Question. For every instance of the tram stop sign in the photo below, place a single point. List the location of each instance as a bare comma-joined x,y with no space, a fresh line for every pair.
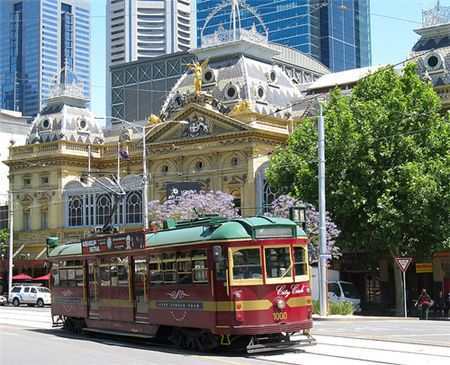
403,262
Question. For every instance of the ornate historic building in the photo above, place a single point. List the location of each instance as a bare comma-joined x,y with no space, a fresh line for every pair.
432,51
216,130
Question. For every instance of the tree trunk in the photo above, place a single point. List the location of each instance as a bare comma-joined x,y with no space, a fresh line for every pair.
398,275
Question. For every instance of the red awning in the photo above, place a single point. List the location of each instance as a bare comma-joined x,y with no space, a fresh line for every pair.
44,277
22,277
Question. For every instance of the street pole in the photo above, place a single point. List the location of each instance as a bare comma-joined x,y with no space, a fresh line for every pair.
404,292
144,177
322,229
11,241
144,159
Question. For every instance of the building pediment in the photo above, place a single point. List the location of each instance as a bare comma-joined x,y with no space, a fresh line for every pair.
197,121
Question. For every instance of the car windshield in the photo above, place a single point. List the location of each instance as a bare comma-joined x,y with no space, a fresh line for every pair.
349,290
44,290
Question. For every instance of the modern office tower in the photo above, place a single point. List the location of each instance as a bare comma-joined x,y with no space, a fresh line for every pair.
139,29
336,32
38,39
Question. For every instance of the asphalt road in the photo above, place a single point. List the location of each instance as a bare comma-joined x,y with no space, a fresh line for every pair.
404,330
26,337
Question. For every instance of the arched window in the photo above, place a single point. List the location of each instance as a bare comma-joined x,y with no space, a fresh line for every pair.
75,210
134,207
268,197
103,208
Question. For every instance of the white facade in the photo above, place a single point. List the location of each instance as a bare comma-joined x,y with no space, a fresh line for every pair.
13,131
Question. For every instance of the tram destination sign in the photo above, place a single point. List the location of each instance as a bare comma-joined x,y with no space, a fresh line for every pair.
118,242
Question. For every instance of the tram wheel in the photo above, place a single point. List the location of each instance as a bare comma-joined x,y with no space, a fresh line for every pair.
68,324
177,337
207,341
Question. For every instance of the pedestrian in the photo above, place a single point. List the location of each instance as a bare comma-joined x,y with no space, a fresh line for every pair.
439,306
424,302
447,304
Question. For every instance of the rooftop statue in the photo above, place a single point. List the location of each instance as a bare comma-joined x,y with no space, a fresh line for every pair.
198,72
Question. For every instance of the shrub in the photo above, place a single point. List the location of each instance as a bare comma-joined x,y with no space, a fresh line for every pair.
343,308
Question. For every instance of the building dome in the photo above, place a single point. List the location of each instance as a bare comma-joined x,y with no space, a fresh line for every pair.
65,117
236,71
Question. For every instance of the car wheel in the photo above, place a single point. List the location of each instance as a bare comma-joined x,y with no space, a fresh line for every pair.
16,302
40,303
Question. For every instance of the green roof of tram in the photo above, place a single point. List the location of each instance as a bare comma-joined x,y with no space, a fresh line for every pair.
204,231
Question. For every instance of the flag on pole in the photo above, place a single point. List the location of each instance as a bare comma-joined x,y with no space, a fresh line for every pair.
123,153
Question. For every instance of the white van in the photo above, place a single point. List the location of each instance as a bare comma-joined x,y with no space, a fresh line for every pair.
339,291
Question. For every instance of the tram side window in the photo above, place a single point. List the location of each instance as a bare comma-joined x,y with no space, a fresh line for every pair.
199,266
114,271
105,272
184,267
122,271
278,262
247,264
155,269
55,274
300,261
169,268
181,267
68,273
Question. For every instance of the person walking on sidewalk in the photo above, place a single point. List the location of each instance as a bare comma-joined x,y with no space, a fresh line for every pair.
447,305
424,301
439,306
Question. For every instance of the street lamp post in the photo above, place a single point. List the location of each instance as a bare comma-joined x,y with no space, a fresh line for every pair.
11,242
143,135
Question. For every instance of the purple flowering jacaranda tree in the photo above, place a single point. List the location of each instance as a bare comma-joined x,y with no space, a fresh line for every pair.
281,207
190,205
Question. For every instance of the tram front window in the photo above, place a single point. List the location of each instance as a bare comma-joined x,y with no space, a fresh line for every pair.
278,263
247,264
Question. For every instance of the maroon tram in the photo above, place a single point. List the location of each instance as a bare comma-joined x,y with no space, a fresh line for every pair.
204,284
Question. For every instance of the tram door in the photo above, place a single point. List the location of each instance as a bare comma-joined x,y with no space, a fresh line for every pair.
140,290
92,289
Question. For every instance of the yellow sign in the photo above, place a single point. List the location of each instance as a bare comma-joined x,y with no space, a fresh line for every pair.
424,267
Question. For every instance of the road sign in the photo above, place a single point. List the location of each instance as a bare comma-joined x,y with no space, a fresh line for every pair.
403,262
325,256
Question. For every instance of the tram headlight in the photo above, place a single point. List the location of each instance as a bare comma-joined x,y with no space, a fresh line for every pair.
281,304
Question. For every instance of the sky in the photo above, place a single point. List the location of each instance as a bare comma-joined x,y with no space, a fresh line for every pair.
392,27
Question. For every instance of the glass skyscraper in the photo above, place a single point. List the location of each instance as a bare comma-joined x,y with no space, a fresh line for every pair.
39,39
336,32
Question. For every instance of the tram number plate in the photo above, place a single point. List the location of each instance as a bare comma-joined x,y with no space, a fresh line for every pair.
278,316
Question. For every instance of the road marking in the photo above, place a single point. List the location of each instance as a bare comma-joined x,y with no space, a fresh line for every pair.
221,360
9,334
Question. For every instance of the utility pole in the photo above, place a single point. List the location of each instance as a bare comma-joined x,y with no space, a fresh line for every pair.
323,254
11,241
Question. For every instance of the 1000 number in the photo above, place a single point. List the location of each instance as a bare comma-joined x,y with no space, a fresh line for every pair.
278,316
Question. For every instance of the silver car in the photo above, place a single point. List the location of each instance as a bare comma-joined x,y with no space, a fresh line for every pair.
3,300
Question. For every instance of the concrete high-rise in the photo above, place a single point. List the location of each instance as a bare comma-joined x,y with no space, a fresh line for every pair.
335,32
38,39
140,29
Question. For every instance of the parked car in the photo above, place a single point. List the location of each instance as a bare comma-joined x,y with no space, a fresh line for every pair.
3,300
30,294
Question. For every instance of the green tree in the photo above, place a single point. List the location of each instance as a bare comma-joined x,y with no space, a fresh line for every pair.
387,167
4,237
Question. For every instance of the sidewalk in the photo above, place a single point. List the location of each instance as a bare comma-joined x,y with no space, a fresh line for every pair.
337,317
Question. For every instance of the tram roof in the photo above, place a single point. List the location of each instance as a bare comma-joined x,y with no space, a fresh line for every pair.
236,229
